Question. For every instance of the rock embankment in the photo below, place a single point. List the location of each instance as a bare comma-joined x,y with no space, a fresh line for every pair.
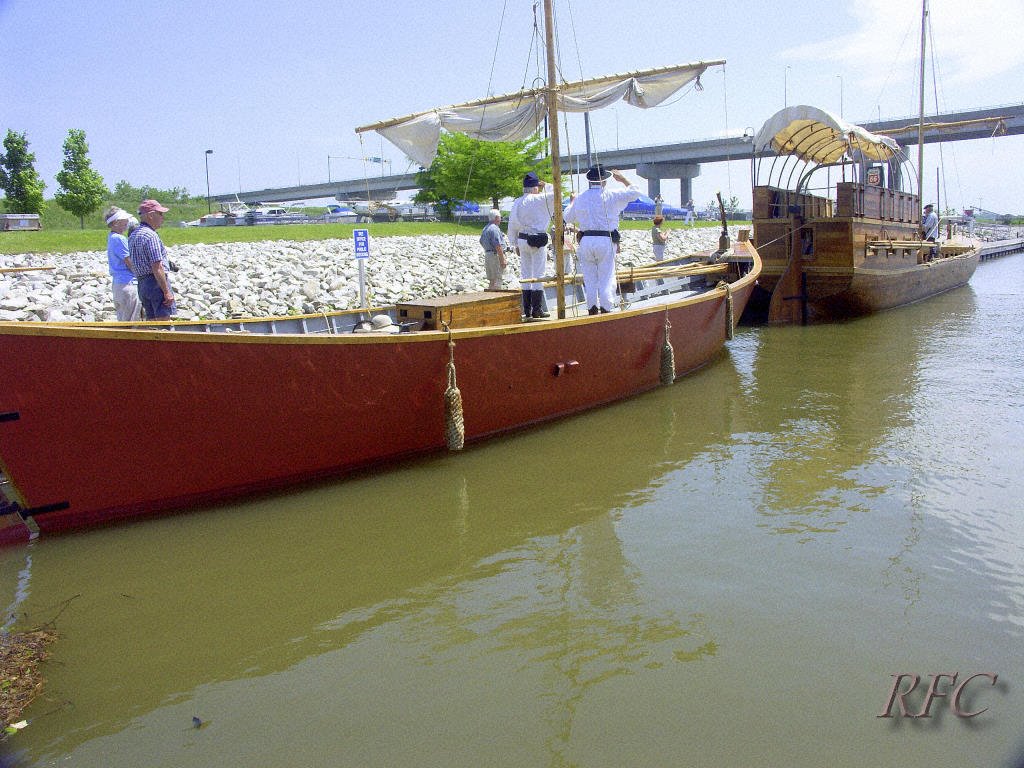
274,278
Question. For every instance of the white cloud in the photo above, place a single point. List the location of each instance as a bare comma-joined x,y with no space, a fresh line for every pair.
974,42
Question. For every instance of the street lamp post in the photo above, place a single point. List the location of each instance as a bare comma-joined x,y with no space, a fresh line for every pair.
840,95
209,205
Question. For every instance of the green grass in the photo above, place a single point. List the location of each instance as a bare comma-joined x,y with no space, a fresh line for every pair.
95,239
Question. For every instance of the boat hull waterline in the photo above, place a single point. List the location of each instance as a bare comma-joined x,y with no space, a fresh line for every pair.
842,294
104,424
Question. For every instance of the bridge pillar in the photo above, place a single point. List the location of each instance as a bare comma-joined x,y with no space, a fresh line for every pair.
655,172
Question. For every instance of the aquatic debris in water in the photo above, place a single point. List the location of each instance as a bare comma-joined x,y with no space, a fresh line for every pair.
20,679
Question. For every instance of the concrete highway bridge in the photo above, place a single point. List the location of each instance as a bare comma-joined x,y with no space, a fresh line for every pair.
671,162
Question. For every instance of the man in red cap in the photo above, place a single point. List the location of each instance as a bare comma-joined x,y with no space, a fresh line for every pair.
150,264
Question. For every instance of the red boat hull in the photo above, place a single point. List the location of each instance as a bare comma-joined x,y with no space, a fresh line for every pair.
98,425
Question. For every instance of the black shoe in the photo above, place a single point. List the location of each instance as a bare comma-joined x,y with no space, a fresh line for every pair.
605,311
592,311
536,305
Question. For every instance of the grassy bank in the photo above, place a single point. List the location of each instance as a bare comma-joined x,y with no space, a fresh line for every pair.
95,239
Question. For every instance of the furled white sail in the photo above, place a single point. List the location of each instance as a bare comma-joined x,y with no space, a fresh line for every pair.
515,116
818,136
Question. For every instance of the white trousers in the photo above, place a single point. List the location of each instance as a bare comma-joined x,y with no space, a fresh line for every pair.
532,262
597,263
126,301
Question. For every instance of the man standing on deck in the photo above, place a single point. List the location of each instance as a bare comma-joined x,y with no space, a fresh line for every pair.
150,264
527,229
493,243
596,212
930,225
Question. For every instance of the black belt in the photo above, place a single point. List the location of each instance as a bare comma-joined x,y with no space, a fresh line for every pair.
595,233
524,235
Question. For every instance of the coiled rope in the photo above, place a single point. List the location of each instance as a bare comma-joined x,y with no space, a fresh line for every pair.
668,357
454,427
730,317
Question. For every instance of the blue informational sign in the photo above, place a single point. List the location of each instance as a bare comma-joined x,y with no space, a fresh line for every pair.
362,241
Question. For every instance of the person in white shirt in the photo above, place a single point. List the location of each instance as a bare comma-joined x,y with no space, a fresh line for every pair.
930,225
596,213
528,222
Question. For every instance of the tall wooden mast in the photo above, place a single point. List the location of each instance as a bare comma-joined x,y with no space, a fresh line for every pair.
556,171
920,118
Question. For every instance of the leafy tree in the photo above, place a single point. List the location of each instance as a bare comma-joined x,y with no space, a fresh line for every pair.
470,169
732,205
21,184
81,188
126,194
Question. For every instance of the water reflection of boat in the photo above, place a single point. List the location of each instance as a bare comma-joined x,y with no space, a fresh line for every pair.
255,590
830,403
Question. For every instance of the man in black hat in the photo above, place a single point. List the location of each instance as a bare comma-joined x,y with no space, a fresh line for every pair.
528,223
596,213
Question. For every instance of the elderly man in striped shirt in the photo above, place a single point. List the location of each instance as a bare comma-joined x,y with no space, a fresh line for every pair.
149,262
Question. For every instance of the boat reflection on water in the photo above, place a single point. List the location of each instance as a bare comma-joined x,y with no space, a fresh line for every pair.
824,400
154,611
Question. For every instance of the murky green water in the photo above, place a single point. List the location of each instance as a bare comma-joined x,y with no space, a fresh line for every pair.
725,572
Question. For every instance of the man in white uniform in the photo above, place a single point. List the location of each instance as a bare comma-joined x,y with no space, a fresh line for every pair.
596,213
528,222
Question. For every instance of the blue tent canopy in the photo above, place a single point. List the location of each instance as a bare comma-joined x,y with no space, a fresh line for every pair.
644,206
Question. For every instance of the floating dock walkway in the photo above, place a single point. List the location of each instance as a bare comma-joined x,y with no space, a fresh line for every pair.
997,248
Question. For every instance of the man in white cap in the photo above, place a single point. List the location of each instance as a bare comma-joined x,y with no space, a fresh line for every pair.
150,264
125,287
493,243
596,213
528,222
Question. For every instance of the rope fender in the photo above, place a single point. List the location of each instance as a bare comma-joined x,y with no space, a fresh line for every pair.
454,427
668,357
730,317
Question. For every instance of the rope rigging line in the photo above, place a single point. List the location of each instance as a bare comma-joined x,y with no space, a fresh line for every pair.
472,160
942,153
725,108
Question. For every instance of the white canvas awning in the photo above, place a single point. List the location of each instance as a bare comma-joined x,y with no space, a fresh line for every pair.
817,136
513,117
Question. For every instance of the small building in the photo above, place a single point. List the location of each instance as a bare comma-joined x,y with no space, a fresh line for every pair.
18,222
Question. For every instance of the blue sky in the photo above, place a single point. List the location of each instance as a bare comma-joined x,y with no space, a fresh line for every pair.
275,90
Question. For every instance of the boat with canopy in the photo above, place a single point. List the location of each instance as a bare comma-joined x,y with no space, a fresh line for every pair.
837,221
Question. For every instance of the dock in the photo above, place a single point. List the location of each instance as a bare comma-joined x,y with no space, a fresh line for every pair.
999,248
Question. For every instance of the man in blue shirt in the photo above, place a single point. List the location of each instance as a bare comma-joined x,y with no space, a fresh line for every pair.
493,242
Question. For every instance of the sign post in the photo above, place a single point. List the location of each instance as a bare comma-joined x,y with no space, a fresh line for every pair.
361,237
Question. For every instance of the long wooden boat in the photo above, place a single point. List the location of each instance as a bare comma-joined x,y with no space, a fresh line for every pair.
837,230
101,423
107,421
